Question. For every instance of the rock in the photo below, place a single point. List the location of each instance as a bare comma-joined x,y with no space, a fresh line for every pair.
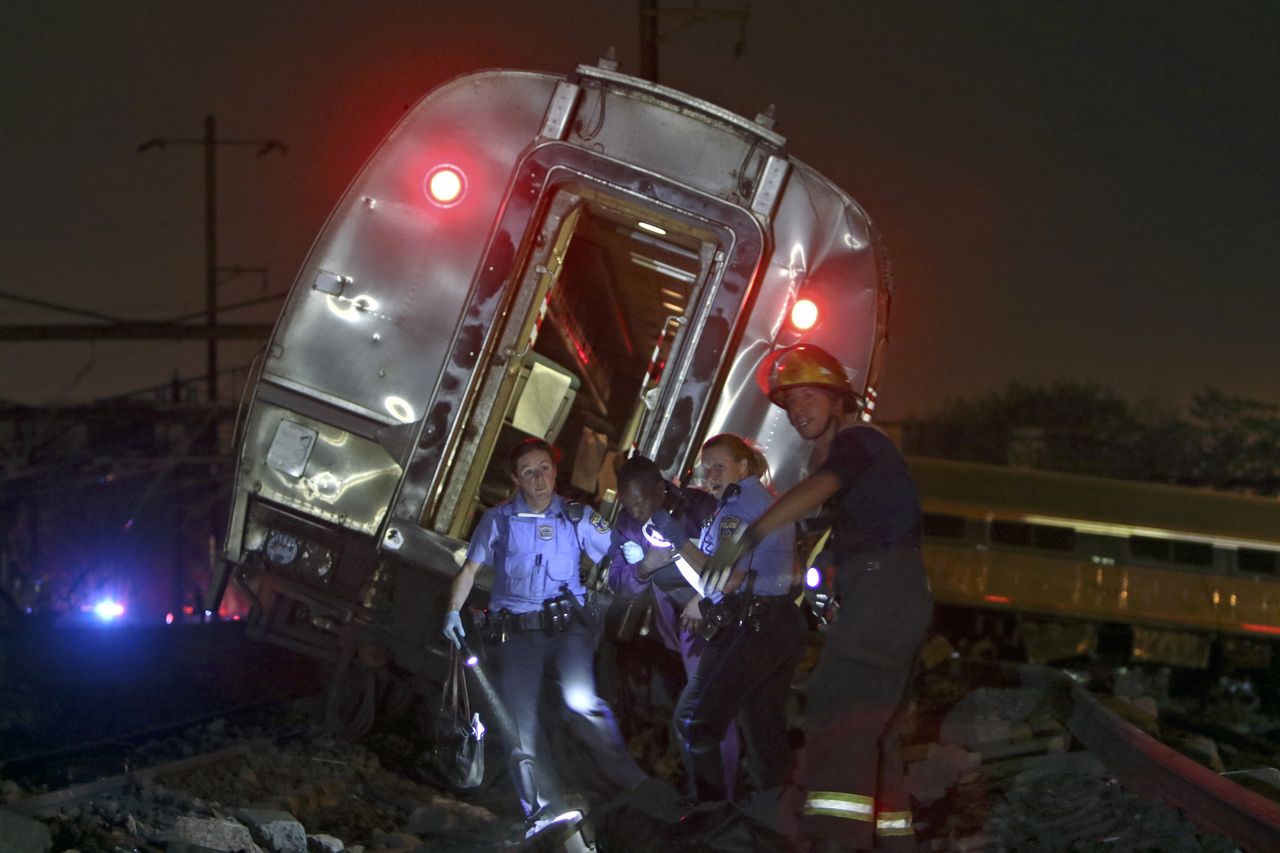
941,766
324,844
1203,750
276,830
214,834
19,834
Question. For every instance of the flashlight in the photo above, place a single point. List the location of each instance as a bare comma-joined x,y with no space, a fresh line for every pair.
469,658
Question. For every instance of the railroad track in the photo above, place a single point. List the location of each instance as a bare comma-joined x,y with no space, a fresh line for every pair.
1060,781
1075,774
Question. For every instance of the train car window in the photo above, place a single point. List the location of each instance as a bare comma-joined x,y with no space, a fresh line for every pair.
1176,551
942,526
1258,561
1019,534
1192,553
1011,533
1054,538
1148,548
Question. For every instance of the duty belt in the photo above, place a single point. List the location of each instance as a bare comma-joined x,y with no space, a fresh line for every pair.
553,618
530,621
745,611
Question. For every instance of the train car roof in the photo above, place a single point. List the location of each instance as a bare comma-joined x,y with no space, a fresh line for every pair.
1095,504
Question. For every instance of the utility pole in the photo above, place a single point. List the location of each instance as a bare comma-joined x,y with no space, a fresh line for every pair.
651,29
210,142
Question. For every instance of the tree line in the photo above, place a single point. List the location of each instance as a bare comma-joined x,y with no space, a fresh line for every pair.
1219,441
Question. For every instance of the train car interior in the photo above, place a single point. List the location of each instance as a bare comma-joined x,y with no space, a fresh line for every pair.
585,351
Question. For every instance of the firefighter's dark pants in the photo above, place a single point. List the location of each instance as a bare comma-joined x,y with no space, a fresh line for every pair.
745,672
525,663
852,742
855,790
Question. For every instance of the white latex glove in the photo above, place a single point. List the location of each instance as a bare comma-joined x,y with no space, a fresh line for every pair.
632,552
453,628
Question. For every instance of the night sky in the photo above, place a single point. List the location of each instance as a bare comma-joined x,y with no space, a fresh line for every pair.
1082,191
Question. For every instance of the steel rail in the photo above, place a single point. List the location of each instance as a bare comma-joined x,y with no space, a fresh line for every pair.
1149,768
49,804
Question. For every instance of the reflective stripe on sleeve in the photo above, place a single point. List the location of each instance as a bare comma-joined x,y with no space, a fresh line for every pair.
836,804
894,823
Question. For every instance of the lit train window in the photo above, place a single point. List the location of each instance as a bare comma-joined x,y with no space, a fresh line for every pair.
943,526
1258,562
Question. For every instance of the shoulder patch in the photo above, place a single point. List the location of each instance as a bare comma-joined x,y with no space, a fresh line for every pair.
599,522
728,527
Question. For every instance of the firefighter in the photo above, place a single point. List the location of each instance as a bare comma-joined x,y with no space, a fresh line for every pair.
539,625
755,634
645,564
856,797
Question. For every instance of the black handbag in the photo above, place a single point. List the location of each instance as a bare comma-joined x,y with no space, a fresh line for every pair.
457,753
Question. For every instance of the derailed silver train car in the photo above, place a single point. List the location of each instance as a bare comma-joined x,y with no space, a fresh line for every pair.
590,258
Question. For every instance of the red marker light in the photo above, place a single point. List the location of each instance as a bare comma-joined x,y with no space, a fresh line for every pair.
804,314
445,185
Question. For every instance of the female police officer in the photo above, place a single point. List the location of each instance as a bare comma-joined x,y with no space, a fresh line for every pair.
745,671
534,543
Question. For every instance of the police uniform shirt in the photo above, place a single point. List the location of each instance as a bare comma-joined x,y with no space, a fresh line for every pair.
877,500
539,553
773,559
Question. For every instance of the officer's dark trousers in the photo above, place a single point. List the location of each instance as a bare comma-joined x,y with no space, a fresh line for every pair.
526,662
745,674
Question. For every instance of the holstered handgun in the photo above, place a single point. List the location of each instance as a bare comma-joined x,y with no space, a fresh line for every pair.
497,626
714,617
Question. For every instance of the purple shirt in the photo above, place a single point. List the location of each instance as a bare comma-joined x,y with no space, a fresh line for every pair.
670,590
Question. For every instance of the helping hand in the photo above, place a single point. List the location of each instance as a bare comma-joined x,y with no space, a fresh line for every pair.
671,530
718,568
691,617
632,552
654,559
453,628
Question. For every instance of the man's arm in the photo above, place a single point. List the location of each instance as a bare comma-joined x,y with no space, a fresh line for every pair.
800,501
